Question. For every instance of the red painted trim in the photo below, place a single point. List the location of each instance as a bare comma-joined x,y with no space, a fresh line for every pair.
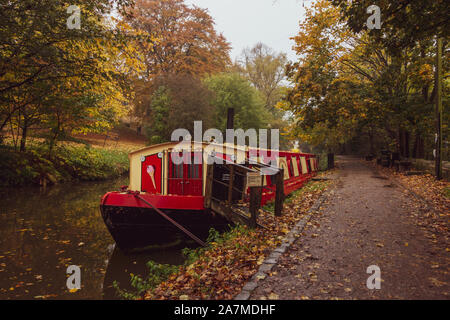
162,202
104,198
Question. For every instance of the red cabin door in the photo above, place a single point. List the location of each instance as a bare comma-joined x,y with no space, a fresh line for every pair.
193,184
186,178
176,175
151,181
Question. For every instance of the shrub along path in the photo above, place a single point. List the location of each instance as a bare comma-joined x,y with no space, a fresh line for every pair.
369,220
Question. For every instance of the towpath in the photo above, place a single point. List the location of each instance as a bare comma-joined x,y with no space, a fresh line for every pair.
366,220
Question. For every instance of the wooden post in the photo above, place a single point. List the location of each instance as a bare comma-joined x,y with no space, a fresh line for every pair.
330,161
438,85
255,204
209,185
230,184
279,192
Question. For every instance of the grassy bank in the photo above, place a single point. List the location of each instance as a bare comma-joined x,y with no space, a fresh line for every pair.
219,270
69,161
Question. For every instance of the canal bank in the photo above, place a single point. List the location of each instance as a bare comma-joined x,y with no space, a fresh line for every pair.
220,270
68,162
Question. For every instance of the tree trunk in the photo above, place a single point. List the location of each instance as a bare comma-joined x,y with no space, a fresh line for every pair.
403,139
400,148
4,123
56,132
418,150
415,147
52,142
406,134
421,148
372,146
23,140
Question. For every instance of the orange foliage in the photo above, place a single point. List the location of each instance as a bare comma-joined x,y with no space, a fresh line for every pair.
187,41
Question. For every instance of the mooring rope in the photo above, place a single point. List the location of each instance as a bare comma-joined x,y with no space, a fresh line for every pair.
165,216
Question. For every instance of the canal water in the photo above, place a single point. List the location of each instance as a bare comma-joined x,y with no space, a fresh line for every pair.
42,232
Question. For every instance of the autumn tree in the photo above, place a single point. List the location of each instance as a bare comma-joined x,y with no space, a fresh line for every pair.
266,70
408,36
176,102
314,98
349,85
187,41
404,22
59,79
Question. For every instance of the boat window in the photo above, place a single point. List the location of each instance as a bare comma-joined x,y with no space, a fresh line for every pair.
177,170
194,170
294,164
291,165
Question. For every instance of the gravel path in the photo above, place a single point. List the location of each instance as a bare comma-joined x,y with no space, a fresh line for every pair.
367,220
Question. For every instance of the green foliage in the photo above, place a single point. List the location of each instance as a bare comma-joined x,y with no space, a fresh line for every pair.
68,162
192,255
92,163
446,193
311,186
177,101
323,161
234,91
160,105
157,273
215,238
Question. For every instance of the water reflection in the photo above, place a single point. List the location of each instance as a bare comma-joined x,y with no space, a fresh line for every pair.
44,231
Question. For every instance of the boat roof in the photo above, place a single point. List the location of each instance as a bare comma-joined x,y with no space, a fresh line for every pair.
172,144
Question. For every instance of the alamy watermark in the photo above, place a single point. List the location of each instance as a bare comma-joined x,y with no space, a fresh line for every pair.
374,281
73,282
374,21
74,21
235,143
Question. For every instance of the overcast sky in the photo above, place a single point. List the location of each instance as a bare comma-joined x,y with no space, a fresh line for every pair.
246,22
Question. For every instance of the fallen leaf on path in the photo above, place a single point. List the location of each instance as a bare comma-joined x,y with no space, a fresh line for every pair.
260,260
437,282
273,296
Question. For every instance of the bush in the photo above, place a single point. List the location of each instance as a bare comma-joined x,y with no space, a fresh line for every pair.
69,162
157,273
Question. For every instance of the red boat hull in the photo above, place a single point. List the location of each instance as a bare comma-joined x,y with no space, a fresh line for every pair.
133,225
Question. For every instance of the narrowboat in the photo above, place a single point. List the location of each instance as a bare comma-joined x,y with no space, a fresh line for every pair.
165,193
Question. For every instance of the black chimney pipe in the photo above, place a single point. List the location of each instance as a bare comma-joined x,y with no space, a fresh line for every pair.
230,118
